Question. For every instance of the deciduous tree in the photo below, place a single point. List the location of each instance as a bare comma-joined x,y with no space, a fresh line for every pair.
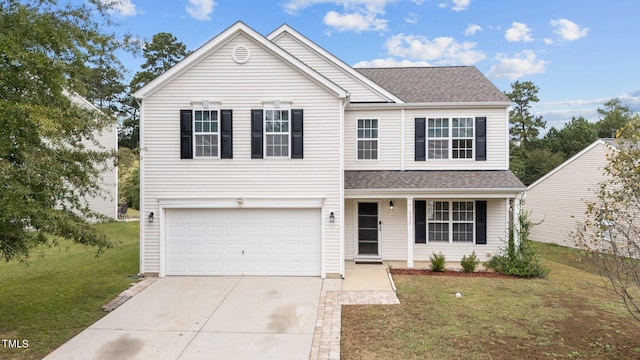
610,232
49,161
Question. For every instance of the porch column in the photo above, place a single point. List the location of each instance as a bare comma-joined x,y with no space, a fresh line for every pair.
516,219
410,234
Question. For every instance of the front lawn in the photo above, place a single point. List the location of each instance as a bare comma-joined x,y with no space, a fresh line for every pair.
565,316
61,290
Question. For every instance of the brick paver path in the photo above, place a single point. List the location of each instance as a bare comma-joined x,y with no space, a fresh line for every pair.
326,336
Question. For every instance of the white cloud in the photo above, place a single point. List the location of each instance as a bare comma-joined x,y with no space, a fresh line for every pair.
472,29
521,64
548,41
441,50
459,5
357,22
568,30
518,32
412,18
390,62
357,15
123,7
200,9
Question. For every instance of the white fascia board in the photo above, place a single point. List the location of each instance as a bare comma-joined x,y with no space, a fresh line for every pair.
567,162
221,39
434,193
284,29
429,105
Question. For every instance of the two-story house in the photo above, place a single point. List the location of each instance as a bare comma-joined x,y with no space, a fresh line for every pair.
267,155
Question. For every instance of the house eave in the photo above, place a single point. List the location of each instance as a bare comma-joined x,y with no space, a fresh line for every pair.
485,193
428,105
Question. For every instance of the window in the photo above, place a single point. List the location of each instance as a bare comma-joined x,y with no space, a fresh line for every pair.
438,221
438,134
462,221
450,138
450,221
276,133
462,138
206,133
367,139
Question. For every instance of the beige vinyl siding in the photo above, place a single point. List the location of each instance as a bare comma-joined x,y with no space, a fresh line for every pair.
389,140
107,203
497,219
358,91
242,87
557,202
497,140
350,228
394,229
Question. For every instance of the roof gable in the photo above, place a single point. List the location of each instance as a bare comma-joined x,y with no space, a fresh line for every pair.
335,62
605,142
456,84
221,39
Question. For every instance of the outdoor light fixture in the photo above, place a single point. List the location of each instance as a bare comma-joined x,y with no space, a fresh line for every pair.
150,217
391,205
332,217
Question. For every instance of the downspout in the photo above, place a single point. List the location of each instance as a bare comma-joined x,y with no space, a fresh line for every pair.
142,213
342,105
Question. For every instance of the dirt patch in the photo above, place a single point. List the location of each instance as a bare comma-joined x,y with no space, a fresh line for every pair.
452,273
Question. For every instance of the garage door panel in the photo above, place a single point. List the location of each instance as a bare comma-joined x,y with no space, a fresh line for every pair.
243,241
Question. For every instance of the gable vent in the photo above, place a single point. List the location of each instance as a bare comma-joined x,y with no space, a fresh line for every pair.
240,54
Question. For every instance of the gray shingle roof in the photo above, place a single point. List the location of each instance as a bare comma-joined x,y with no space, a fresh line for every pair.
432,179
436,84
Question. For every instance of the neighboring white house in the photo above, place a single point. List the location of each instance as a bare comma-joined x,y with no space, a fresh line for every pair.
107,140
556,201
267,155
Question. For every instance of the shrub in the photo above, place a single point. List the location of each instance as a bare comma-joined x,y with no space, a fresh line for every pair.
438,262
469,264
519,260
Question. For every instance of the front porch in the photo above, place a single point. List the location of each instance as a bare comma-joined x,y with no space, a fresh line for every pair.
406,216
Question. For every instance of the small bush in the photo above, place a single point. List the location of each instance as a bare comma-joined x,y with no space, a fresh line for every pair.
521,259
469,264
438,262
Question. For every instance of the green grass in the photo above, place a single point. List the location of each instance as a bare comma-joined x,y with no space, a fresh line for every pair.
567,315
61,290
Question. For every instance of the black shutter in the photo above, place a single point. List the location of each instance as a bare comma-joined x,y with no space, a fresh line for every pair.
256,134
481,138
297,143
186,135
481,222
226,134
420,148
421,221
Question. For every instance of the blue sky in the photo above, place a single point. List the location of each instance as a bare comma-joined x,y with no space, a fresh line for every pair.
580,53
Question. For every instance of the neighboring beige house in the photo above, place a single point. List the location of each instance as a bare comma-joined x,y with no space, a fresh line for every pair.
557,200
107,203
267,155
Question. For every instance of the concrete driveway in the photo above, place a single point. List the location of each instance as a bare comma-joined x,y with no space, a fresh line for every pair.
206,318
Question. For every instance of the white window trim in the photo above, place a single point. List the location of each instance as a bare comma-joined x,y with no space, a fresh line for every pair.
193,126
450,138
451,222
264,132
368,139
472,138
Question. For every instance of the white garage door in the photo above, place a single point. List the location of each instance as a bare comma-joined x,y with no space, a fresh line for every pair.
243,242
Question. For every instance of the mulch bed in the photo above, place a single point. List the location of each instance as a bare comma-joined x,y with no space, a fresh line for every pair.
452,273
